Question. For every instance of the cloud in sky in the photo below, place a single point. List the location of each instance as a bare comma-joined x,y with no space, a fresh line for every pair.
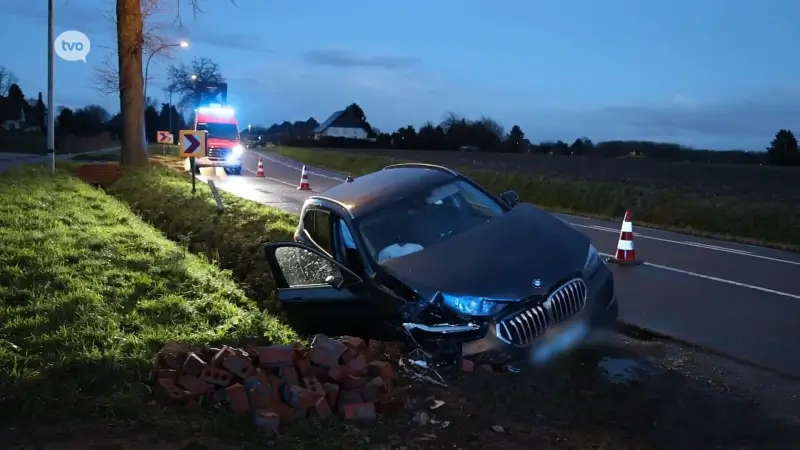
343,58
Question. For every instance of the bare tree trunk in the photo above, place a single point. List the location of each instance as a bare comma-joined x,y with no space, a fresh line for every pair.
130,25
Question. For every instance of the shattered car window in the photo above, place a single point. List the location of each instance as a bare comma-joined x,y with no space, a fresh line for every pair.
302,267
425,218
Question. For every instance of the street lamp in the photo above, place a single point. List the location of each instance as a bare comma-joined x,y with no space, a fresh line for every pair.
160,49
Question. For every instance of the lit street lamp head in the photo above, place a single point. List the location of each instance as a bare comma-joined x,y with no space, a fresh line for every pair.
194,77
184,44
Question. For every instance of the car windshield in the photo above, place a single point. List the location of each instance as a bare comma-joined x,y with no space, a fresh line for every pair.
426,218
220,130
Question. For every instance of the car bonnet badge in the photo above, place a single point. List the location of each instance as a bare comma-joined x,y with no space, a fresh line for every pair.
537,283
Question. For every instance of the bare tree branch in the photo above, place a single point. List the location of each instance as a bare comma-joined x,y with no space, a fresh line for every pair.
7,78
183,79
106,75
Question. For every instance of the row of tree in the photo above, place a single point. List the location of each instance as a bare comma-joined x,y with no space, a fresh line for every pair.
458,133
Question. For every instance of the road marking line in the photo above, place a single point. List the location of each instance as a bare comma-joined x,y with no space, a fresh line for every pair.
692,244
717,279
310,172
601,228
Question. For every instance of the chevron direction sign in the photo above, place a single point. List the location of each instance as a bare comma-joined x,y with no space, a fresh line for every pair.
164,137
193,143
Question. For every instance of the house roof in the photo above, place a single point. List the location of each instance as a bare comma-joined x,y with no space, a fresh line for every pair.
11,108
329,122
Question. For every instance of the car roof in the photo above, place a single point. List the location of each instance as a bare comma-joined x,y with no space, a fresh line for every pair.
369,192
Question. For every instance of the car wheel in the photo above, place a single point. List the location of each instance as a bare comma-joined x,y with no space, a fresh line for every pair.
236,170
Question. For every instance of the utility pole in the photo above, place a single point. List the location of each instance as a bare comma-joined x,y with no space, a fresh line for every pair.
51,107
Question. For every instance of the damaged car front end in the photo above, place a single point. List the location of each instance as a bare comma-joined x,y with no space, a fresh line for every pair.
458,272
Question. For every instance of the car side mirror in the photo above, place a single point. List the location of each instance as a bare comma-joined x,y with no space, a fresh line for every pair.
335,282
511,198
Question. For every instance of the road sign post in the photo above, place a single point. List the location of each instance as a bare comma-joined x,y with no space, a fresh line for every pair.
164,138
193,144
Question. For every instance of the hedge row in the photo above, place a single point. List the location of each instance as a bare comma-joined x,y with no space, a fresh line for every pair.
765,223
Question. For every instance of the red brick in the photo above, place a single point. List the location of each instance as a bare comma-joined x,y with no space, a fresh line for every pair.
276,356
193,385
267,420
467,366
321,408
360,411
325,351
259,398
317,372
374,389
389,404
336,374
381,369
349,355
353,382
237,398
166,374
302,365
332,393
299,397
375,349
193,365
313,385
221,356
215,376
239,366
168,390
355,343
289,375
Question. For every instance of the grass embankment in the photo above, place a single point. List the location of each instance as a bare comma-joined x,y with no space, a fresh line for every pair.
772,224
234,238
88,293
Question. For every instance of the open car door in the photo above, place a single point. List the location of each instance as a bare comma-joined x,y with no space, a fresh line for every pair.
318,294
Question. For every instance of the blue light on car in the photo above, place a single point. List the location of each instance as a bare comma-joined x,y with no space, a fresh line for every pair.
470,305
222,111
592,263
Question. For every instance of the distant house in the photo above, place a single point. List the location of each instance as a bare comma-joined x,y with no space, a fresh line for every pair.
342,124
17,115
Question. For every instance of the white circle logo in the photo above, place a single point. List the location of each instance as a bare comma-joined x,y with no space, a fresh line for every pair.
72,46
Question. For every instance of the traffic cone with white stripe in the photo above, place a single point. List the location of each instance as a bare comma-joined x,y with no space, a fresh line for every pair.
260,170
304,186
626,253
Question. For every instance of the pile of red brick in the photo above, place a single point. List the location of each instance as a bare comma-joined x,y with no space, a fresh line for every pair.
279,385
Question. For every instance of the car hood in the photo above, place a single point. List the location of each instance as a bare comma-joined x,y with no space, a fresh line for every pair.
221,143
498,260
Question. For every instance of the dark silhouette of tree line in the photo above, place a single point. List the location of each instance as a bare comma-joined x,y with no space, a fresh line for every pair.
457,133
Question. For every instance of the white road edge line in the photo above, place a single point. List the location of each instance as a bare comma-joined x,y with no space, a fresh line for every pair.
692,244
600,228
719,280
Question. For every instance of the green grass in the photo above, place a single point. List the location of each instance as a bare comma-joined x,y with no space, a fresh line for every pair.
89,292
772,224
234,238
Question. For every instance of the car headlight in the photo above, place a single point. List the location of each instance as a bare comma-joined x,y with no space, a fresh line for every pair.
471,306
238,149
592,263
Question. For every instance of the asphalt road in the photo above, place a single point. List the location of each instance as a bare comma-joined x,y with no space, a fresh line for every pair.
9,161
740,300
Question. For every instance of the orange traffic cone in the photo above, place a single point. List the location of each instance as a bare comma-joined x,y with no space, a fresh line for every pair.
304,186
626,253
260,170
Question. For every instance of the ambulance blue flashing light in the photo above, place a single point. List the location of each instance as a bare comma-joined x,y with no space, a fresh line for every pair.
216,110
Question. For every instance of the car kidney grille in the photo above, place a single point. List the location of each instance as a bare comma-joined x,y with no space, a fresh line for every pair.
566,301
221,153
524,327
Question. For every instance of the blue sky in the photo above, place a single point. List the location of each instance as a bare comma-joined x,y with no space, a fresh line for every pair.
705,73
